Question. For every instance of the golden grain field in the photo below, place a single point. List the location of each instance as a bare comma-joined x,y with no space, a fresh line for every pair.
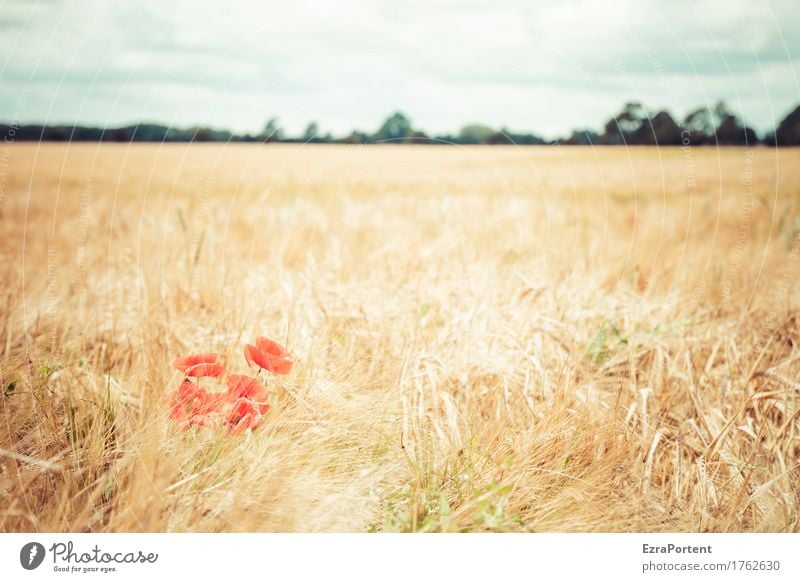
486,339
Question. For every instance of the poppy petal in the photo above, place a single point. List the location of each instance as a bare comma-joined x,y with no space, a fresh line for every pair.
269,346
188,363
269,355
254,356
205,370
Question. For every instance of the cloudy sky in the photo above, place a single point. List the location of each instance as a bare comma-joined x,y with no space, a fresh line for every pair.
528,65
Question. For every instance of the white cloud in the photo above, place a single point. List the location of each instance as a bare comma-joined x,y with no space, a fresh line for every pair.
533,66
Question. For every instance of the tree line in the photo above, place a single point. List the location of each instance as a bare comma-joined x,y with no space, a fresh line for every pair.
633,125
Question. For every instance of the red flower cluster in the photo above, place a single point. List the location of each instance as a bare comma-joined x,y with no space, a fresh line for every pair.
242,405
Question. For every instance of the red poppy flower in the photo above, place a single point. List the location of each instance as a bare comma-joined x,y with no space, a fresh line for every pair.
189,403
247,388
200,365
241,415
269,355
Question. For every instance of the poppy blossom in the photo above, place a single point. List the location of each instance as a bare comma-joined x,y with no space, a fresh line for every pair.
242,414
200,365
269,355
190,404
242,406
247,388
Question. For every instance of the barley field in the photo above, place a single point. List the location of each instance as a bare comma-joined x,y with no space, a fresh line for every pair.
527,339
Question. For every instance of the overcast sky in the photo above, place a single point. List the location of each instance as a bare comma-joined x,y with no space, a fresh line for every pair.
544,67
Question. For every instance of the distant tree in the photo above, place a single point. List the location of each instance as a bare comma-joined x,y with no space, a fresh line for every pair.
731,132
396,127
582,137
788,131
661,129
311,134
78,133
506,137
700,125
121,134
355,137
730,129
148,132
475,133
624,127
527,139
632,125
499,138
202,134
444,138
631,117
418,137
272,131
721,111
58,133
